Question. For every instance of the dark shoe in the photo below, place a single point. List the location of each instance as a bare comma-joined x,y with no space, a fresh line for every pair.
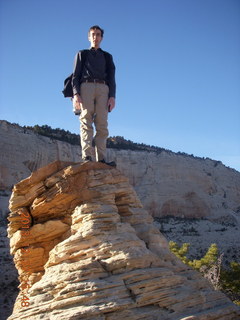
87,159
112,163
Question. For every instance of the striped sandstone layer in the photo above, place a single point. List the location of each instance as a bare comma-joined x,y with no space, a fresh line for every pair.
85,248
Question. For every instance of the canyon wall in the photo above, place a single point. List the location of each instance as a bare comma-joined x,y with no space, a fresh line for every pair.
191,199
167,183
174,188
85,248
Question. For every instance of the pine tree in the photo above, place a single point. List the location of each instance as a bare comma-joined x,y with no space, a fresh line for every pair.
226,280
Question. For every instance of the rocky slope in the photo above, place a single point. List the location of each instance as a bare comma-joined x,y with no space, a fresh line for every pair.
85,248
203,192
192,200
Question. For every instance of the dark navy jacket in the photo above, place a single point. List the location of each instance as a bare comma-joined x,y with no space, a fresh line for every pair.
94,64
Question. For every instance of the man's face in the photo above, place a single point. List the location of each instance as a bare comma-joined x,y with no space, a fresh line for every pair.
95,38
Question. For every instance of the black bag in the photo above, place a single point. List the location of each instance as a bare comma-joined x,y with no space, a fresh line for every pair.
67,89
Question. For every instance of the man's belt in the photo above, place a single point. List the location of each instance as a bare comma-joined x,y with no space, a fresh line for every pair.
95,81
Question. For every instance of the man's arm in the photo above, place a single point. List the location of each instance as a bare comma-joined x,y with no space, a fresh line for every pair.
111,76
111,82
77,71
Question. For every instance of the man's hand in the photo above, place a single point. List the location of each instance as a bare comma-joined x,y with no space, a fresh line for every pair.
77,102
111,103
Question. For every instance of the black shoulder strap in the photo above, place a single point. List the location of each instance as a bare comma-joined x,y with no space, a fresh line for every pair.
83,55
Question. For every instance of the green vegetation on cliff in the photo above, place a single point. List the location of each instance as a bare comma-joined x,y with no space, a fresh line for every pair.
115,142
210,265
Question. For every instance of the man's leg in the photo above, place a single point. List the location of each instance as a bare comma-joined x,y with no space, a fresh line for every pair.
101,120
87,93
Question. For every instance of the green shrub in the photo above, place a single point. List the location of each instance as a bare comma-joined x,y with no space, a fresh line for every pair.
210,266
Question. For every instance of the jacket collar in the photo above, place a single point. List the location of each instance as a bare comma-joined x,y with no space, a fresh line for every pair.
99,49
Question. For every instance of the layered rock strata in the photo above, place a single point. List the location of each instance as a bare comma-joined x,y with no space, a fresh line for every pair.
171,186
85,248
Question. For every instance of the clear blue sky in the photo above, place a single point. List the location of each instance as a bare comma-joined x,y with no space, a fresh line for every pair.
178,69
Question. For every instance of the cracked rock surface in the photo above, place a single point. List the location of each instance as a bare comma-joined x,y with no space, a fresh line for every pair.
85,248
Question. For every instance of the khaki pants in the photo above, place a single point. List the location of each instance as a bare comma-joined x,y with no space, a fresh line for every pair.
94,110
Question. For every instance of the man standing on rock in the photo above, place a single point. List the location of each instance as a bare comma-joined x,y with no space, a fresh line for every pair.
94,91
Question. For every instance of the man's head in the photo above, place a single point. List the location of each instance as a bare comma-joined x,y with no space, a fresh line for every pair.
95,35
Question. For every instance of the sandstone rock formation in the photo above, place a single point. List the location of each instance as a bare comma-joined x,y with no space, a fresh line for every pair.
85,248
194,200
166,183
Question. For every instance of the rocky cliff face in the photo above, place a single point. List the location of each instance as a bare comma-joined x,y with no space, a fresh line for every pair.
85,248
191,199
167,183
204,193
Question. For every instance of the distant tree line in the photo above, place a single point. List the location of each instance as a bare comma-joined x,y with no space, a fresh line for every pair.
115,142
118,142
58,134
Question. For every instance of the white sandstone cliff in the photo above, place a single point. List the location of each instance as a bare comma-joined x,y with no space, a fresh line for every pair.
194,200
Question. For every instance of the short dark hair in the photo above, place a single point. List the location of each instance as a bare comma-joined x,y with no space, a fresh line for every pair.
98,28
